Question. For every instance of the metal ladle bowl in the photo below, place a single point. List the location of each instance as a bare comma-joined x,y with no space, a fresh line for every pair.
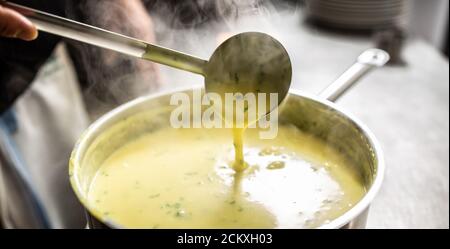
249,62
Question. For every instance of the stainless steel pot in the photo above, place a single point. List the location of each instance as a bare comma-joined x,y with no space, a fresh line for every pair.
315,115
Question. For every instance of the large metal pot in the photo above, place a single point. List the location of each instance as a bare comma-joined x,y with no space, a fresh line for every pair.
314,115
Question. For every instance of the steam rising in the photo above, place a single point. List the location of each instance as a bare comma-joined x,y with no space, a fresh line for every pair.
192,26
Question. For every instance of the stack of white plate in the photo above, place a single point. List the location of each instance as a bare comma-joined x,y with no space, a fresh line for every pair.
357,14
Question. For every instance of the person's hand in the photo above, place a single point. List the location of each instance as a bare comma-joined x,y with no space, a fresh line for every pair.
14,25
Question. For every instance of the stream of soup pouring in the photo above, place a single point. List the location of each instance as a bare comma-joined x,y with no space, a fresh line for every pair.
294,180
239,127
238,143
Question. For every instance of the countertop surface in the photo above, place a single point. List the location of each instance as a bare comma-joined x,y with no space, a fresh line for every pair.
406,107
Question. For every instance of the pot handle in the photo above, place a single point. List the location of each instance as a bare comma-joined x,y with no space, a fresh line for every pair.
369,59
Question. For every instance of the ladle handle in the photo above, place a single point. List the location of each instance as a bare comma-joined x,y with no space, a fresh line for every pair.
369,59
106,39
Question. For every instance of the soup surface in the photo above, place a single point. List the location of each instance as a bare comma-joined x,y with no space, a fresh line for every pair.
184,178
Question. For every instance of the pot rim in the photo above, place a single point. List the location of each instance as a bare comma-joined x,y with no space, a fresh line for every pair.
83,143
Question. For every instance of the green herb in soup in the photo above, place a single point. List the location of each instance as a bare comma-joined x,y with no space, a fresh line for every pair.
184,178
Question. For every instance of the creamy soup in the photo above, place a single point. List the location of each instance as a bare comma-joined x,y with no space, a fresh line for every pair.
184,178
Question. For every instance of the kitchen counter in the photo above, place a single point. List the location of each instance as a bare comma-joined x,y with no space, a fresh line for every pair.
407,108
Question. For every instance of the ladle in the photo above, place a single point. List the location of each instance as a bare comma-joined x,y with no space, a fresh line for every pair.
250,62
